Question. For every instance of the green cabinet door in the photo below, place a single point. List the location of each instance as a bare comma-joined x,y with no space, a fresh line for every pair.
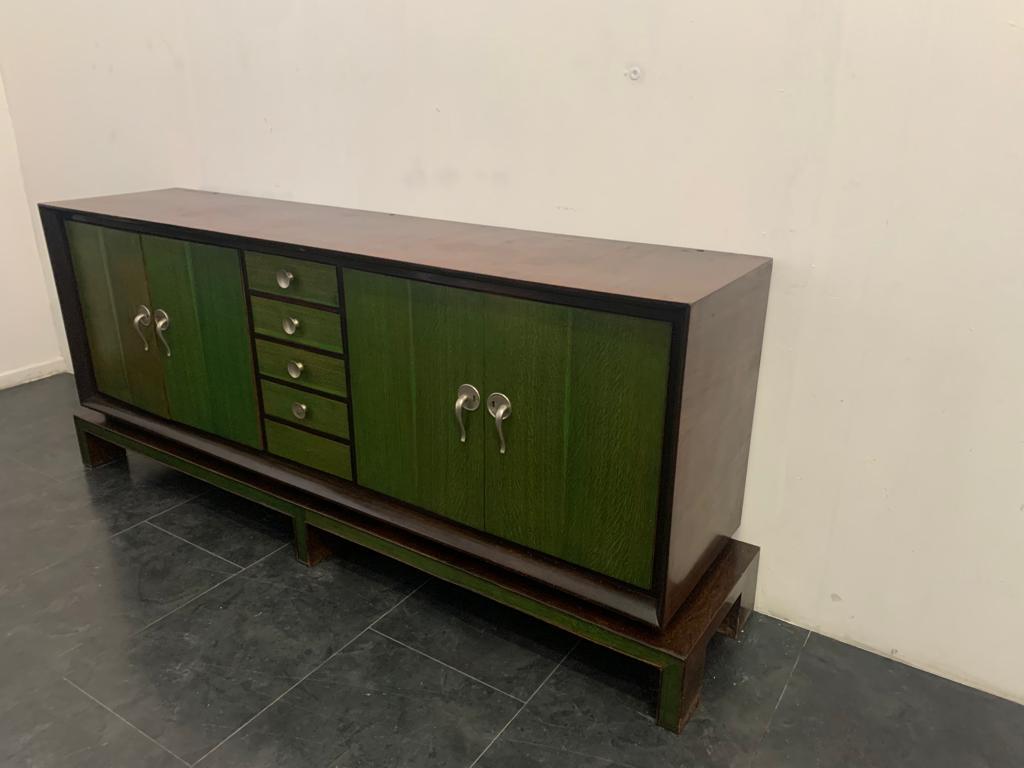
410,346
208,375
112,285
580,474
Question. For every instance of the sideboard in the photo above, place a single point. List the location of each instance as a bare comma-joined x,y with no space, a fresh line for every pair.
561,423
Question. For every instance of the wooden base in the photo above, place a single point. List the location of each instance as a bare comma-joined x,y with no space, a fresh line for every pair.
722,601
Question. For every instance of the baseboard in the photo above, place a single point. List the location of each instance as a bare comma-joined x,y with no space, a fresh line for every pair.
32,372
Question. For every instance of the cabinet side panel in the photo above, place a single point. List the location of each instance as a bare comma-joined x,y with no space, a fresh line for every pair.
98,309
618,379
723,354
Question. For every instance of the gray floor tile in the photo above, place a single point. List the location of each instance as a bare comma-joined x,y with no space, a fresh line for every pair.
376,704
49,446
29,404
848,707
52,520
108,591
59,727
507,753
600,705
497,645
232,527
192,679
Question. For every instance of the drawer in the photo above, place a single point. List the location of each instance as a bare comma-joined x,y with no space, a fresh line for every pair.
308,449
292,278
296,323
305,409
319,372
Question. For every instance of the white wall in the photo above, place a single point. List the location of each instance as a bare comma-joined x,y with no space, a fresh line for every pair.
28,337
873,149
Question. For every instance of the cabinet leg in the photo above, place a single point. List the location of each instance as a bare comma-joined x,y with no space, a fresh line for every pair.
680,691
310,545
95,451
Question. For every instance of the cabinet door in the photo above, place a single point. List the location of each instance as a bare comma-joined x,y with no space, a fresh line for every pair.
112,285
410,346
579,478
208,375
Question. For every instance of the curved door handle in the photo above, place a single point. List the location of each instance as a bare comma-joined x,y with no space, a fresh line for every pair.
163,322
500,407
142,319
468,399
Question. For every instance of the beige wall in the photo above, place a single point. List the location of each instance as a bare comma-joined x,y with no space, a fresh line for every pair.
28,335
873,149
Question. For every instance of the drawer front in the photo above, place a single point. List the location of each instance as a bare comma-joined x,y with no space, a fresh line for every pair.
305,409
319,372
309,450
296,323
292,278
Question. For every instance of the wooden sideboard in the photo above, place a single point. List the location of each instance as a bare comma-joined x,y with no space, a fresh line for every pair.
565,420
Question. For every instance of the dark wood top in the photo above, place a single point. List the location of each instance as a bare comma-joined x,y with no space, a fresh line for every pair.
650,272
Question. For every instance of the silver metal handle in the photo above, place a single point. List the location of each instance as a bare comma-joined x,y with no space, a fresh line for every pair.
299,410
163,322
284,278
141,320
500,407
468,399
290,325
295,368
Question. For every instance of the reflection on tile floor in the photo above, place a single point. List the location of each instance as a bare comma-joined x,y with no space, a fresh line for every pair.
146,619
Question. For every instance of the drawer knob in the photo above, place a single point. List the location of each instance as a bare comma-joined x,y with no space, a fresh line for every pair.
295,368
284,278
299,410
290,325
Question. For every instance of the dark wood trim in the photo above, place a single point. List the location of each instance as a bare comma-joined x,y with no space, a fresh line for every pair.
257,378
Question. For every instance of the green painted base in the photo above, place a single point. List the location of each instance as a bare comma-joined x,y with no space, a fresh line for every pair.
721,602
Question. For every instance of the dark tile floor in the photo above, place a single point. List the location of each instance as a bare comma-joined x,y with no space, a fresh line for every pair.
147,620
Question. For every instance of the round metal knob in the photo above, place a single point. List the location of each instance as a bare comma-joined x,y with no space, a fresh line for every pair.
299,410
290,325
284,278
295,368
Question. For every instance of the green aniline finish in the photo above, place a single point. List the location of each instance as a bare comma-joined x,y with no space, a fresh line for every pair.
322,413
308,449
580,475
209,374
111,279
579,479
313,282
317,328
319,372
411,345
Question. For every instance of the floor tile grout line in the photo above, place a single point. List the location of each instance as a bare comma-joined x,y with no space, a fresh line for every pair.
161,512
126,722
209,589
446,664
301,680
192,543
384,615
778,702
525,705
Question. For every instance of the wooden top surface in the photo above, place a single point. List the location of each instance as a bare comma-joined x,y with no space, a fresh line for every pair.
635,270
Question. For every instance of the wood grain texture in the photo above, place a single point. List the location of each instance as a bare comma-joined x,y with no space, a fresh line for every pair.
322,413
209,375
412,345
615,268
317,328
579,479
723,355
319,372
313,282
112,283
309,450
